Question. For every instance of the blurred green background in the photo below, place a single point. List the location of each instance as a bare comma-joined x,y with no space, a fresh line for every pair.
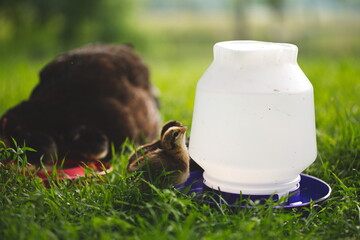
175,38
39,28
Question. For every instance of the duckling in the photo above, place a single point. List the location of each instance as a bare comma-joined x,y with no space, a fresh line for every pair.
144,149
171,158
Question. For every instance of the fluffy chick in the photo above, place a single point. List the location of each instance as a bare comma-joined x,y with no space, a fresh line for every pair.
168,163
146,148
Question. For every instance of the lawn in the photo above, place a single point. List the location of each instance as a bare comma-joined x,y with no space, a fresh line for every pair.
114,207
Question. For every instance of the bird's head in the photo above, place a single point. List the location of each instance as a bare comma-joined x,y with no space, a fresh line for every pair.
169,124
174,138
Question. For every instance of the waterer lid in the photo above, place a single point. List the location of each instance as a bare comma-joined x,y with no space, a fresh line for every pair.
251,53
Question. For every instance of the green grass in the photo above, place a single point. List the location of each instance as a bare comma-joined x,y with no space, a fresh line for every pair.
114,207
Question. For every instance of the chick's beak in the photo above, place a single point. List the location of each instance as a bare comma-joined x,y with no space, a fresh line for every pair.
183,130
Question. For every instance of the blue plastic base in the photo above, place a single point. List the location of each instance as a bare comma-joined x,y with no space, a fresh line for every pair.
310,189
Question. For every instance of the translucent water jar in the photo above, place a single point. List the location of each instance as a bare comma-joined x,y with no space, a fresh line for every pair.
253,128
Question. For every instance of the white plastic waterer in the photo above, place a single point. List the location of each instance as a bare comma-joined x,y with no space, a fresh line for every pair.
253,128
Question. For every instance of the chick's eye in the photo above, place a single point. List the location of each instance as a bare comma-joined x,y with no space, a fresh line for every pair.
175,134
